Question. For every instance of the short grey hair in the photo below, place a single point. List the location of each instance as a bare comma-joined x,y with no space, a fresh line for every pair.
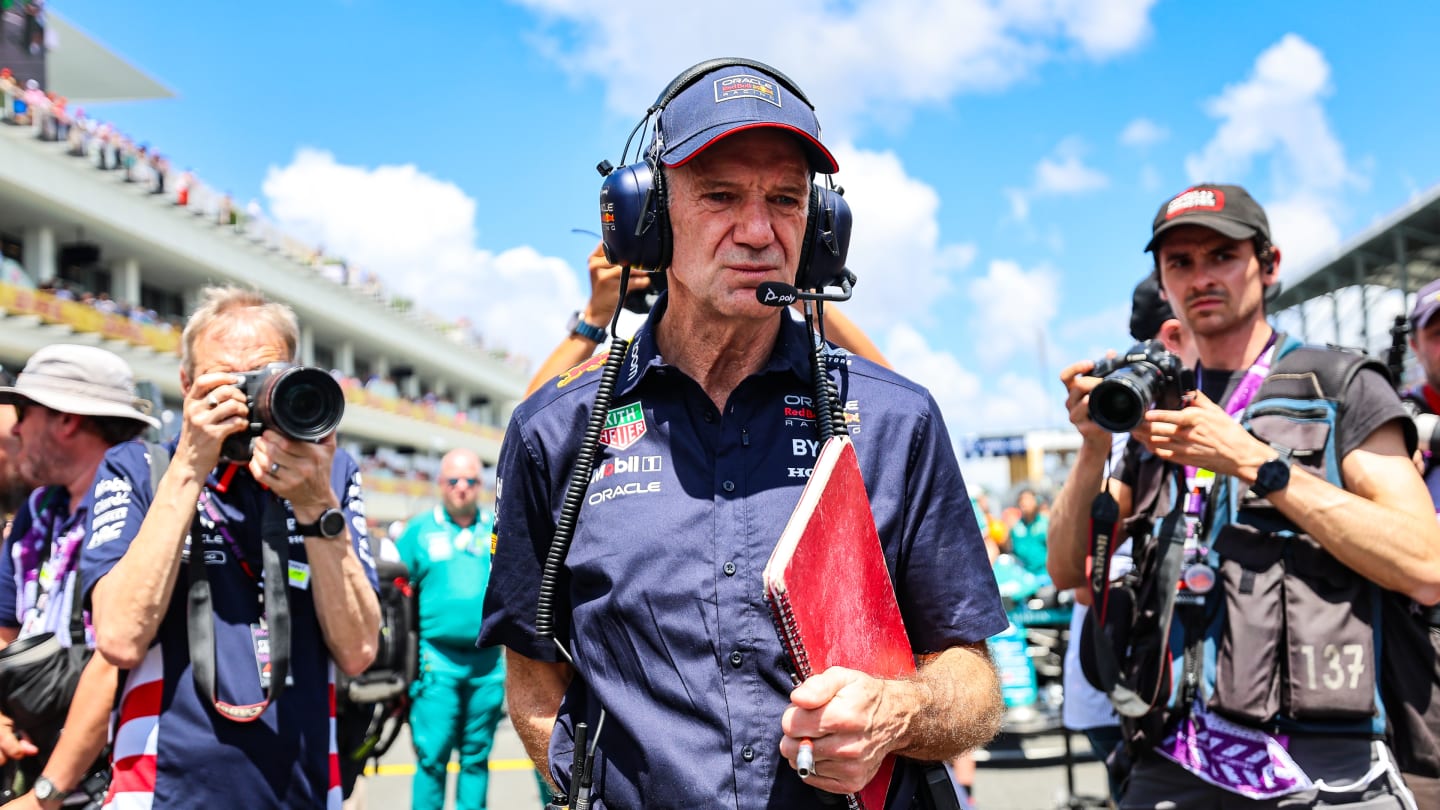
224,305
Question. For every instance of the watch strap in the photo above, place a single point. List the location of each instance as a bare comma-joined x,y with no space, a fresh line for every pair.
316,528
588,331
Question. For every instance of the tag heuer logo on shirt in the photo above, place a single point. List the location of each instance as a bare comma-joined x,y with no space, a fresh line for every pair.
623,427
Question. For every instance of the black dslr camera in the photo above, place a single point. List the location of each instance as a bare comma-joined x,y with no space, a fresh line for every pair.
1146,376
301,402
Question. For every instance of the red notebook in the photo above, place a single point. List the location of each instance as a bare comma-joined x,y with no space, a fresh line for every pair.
830,592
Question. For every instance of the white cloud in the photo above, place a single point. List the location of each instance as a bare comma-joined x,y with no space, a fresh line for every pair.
1062,173
1013,308
1277,115
1142,132
896,249
417,234
1011,402
1067,175
861,60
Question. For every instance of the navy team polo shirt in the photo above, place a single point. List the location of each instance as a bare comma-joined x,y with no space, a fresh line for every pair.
669,630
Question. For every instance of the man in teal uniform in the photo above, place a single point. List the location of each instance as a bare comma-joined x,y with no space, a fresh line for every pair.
1027,536
461,689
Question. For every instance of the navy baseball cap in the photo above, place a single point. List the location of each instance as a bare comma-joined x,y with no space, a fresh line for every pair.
1427,303
731,99
1229,210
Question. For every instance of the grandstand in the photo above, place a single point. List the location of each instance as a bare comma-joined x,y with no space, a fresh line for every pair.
106,244
1352,296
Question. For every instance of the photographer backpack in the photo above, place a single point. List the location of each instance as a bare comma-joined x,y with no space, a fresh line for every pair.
372,707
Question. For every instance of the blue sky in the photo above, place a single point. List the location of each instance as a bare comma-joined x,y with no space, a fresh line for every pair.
1003,159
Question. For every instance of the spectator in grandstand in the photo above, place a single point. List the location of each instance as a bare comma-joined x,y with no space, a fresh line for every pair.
74,409
187,699
459,695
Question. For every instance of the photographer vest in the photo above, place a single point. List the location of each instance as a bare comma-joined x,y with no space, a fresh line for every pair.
1290,639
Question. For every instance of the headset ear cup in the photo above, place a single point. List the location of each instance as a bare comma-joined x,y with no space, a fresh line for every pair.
827,240
634,220
804,279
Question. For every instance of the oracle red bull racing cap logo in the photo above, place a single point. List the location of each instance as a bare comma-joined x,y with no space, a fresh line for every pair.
746,86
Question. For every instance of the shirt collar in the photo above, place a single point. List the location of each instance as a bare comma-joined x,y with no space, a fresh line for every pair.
791,351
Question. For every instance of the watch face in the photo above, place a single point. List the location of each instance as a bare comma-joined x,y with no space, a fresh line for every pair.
45,789
1272,475
332,523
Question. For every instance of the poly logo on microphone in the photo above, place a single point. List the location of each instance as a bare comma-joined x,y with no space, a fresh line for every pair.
776,299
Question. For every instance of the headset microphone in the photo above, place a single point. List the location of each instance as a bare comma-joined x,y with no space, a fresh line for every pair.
780,294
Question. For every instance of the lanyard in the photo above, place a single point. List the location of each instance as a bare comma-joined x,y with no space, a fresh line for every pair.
212,519
275,608
38,569
1238,400
1198,576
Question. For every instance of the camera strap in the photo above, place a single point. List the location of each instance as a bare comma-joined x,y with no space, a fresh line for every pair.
274,611
1126,689
1104,528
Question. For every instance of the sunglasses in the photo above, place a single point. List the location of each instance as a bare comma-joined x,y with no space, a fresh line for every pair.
22,407
470,482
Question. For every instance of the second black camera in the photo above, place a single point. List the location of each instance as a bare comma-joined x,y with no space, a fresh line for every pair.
1146,376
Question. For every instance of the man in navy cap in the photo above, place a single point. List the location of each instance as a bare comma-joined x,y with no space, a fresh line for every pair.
672,658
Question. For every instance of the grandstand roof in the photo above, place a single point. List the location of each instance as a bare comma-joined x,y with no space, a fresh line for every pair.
1401,251
82,70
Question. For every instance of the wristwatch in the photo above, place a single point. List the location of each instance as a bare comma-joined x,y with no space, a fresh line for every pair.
45,791
331,523
579,327
1273,475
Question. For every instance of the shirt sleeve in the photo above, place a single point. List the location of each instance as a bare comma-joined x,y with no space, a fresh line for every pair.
1370,402
944,584
117,502
345,480
524,527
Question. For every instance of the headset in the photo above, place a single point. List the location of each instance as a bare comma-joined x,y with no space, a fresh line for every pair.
634,208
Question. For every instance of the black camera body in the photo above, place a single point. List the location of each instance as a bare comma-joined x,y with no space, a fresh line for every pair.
302,402
1145,376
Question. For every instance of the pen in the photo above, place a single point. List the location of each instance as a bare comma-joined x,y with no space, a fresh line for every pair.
805,759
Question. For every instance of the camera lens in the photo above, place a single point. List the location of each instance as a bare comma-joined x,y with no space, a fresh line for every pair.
303,403
1120,401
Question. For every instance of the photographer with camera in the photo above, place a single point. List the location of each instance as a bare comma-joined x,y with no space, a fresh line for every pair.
1280,501
73,405
232,591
